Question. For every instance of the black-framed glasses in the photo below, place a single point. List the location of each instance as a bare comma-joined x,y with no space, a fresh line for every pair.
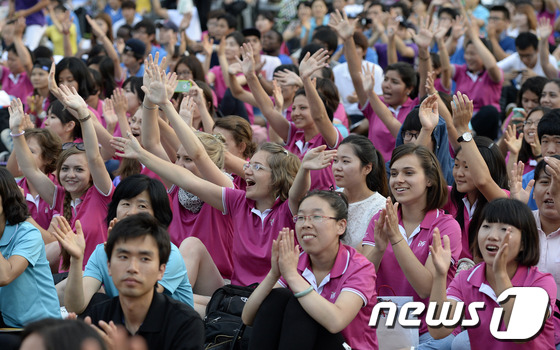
78,145
409,135
300,219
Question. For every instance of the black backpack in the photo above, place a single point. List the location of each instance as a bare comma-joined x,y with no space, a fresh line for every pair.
223,325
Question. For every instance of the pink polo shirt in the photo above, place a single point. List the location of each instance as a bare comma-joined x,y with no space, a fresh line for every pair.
91,210
40,210
353,273
482,91
253,234
390,273
472,286
19,86
220,88
209,225
378,133
320,179
439,87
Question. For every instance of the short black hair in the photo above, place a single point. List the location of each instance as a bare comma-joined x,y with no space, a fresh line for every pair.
326,35
43,52
231,20
80,73
533,84
449,10
148,25
337,201
135,184
290,67
128,4
502,9
525,40
136,87
54,333
140,225
311,48
549,124
517,214
15,206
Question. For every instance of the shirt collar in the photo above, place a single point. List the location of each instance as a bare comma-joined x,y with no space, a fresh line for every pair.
478,279
341,262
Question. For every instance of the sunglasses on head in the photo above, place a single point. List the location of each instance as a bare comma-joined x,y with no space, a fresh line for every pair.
78,145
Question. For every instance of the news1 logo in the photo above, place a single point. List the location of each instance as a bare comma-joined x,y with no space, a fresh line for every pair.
529,313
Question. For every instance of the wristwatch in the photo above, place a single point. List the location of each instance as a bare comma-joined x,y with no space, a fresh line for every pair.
466,137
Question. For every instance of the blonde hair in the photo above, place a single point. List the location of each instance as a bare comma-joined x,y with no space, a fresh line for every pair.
215,146
283,166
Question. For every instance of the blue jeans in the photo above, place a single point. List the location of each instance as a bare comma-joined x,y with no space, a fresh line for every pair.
461,342
426,342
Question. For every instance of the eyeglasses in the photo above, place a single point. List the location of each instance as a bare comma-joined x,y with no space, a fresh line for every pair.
300,219
78,145
495,19
254,166
408,135
530,123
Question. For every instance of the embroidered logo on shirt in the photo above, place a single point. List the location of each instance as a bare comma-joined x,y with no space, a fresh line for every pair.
333,295
271,221
421,243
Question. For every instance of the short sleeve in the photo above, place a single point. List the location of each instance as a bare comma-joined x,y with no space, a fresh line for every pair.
455,288
362,280
190,335
175,272
369,238
29,243
232,200
93,267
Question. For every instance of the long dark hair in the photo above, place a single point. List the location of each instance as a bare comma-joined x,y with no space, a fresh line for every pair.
497,167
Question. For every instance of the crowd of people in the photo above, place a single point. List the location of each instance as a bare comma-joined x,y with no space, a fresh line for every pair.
332,153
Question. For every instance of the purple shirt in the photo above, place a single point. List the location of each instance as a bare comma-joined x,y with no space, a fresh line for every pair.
378,133
390,273
353,273
382,55
482,91
320,179
35,18
253,234
472,286
209,225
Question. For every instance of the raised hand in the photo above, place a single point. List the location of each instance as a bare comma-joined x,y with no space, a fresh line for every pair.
512,141
248,62
53,86
553,168
95,28
109,112
197,95
278,97
544,28
288,254
368,78
429,114
312,63
287,77
424,36
441,255
208,45
127,147
72,100
156,91
171,83
16,116
380,232
275,253
430,88
186,109
235,68
317,158
462,109
440,31
73,243
35,103
392,222
341,25
457,28
392,27
120,103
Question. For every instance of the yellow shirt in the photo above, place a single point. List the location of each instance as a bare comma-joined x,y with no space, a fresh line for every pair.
57,38
143,6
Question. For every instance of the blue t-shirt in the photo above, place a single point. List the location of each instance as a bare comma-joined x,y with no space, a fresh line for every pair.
32,295
175,280
526,178
371,55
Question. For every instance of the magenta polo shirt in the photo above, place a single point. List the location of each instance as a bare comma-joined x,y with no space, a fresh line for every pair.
92,213
390,274
482,91
39,210
378,133
19,86
353,273
220,88
253,234
209,225
472,285
320,179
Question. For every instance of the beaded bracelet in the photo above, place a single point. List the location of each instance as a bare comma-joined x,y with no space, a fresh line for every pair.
303,293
